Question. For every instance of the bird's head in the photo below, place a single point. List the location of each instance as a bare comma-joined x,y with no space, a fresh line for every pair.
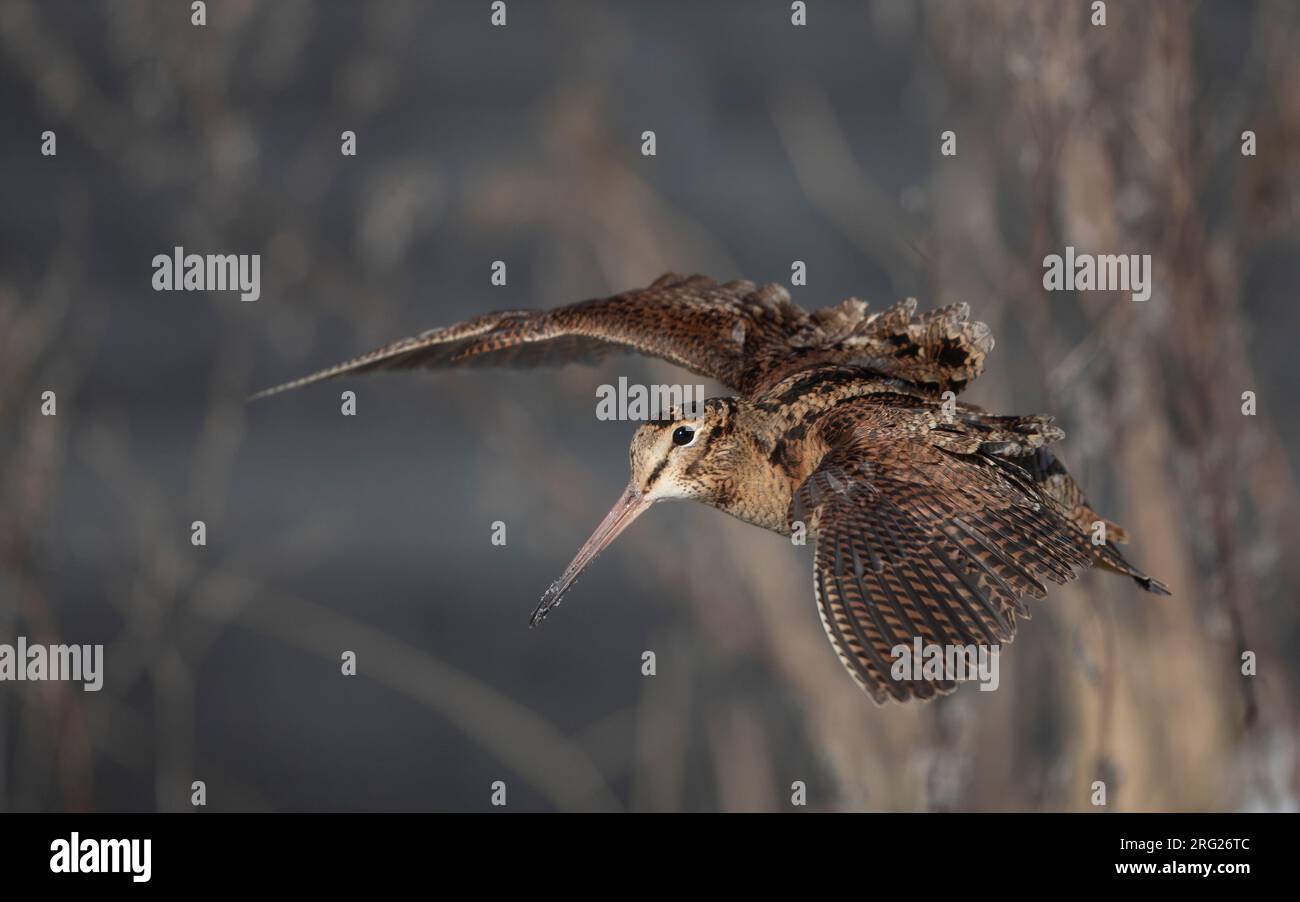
683,456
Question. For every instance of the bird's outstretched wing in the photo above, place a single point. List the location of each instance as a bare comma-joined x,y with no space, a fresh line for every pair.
1059,487
1023,441
709,328
742,335
922,534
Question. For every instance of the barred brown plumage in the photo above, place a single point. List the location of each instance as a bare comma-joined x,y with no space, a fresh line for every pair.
932,520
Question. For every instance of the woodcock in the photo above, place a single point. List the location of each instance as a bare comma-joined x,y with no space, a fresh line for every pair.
930,518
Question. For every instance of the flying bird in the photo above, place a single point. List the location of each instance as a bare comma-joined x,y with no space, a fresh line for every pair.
931,519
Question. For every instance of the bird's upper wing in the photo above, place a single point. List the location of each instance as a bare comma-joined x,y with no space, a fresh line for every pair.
743,335
711,329
940,350
922,533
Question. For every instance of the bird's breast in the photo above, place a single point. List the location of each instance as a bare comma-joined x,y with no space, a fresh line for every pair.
763,478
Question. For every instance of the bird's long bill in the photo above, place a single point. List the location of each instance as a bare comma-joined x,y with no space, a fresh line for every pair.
628,507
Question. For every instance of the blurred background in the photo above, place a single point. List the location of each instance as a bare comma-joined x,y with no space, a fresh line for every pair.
372,533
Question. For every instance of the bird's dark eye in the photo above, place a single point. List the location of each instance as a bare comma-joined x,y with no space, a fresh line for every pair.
682,435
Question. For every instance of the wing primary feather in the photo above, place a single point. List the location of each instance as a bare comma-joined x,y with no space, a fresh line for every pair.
869,646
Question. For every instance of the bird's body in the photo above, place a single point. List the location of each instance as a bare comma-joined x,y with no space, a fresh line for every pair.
932,519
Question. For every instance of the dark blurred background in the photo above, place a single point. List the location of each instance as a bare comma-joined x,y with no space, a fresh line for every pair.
372,533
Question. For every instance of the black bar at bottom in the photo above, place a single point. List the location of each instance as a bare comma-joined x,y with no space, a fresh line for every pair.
890,852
